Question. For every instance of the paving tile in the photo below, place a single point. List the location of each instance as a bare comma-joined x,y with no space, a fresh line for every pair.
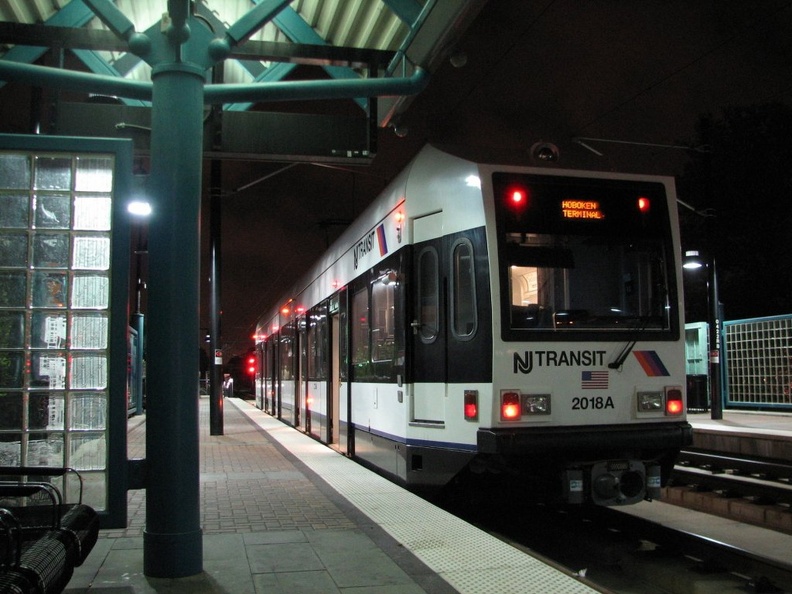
376,570
223,546
275,537
304,582
283,557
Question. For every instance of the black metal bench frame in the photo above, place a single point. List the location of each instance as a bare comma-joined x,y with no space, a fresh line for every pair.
42,539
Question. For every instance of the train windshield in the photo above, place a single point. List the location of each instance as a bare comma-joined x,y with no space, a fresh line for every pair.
583,257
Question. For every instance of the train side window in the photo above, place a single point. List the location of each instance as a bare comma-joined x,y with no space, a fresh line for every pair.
383,306
463,290
360,328
343,316
286,352
317,343
429,295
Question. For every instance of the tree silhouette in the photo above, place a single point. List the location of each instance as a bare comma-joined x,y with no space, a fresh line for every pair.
745,181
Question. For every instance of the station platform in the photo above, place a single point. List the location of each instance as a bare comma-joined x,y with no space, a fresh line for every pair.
281,512
747,433
742,434
734,420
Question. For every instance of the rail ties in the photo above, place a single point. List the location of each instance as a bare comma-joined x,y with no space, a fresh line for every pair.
760,481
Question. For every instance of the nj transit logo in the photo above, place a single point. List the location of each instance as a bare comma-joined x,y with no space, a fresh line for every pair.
651,363
366,245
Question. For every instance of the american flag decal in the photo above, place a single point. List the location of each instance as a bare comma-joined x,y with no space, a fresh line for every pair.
594,380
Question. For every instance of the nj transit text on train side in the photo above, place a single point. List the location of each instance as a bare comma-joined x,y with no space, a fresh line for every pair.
531,359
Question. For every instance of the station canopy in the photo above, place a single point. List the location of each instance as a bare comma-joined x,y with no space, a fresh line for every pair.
344,38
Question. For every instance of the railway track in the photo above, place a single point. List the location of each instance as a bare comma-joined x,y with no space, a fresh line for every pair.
681,561
620,553
753,490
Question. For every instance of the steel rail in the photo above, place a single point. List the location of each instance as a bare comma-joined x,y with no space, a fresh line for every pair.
745,465
735,476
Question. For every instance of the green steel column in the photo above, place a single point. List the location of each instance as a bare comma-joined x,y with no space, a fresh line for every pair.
172,542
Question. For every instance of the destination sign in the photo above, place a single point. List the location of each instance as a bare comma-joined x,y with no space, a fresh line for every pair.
581,209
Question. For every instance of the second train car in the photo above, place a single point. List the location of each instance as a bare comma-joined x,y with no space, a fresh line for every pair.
488,317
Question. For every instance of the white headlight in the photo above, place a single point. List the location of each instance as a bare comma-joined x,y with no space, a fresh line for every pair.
536,404
650,401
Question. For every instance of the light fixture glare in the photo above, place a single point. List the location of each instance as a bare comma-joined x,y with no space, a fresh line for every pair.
139,208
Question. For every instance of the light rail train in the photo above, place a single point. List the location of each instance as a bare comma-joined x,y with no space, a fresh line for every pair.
501,318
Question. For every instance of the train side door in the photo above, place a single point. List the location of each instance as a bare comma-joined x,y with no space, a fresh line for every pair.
339,373
302,374
428,325
261,375
271,367
335,383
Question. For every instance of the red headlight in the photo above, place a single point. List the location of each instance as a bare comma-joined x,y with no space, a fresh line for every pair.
674,403
510,406
471,405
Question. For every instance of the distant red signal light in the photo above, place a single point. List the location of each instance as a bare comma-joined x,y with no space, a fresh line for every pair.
251,365
644,204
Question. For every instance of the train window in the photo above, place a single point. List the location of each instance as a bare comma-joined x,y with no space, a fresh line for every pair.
286,352
584,256
463,290
577,282
317,343
343,339
429,294
383,308
360,328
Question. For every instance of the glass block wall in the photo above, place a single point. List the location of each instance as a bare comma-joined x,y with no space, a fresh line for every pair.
55,238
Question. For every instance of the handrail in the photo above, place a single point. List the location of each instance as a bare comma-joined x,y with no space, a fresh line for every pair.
43,471
10,489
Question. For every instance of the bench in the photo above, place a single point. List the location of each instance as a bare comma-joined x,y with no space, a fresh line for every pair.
42,539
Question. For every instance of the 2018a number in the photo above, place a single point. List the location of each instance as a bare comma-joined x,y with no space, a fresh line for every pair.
592,403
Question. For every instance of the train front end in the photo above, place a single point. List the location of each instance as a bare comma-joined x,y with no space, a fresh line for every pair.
588,357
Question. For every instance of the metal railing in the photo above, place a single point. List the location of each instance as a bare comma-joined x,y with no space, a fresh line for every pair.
757,363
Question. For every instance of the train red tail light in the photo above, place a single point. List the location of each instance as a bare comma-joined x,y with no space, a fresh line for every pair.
510,406
471,405
674,402
517,198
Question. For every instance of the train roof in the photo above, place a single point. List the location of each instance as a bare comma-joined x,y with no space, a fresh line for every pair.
456,163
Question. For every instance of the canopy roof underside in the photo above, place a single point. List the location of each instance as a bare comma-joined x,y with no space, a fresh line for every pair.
347,38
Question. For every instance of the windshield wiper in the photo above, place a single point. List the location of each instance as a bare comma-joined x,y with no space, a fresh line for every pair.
622,357
619,361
